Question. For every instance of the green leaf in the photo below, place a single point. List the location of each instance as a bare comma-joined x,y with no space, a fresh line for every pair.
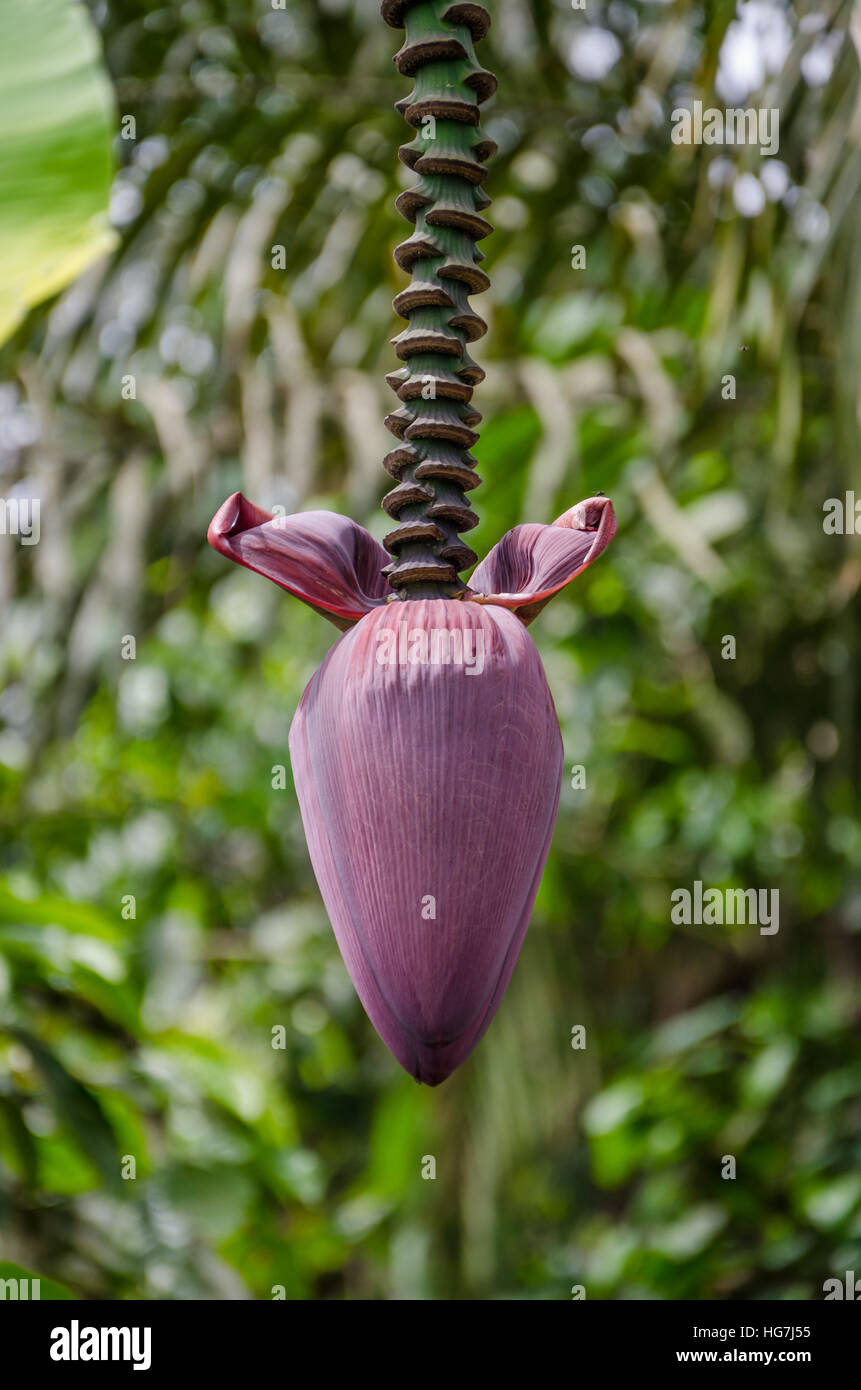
216,1198
20,1139
56,119
48,1288
77,1108
45,910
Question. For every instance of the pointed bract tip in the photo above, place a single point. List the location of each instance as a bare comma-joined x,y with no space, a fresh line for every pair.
233,517
532,563
593,514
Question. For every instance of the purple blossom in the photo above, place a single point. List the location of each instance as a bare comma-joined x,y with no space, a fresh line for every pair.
428,763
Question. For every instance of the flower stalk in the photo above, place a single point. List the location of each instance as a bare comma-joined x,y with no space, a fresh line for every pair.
435,422
428,797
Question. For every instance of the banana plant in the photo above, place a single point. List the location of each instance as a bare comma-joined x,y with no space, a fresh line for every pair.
57,117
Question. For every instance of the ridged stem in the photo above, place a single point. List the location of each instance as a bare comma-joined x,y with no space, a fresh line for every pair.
435,420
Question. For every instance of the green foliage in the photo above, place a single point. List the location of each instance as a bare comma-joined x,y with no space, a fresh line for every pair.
56,117
145,1029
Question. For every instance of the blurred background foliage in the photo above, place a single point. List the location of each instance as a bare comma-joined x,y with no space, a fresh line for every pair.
184,366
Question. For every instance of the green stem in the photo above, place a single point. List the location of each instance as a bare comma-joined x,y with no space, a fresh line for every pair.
435,421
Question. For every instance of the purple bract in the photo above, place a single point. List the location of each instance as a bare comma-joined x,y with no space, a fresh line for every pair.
428,763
